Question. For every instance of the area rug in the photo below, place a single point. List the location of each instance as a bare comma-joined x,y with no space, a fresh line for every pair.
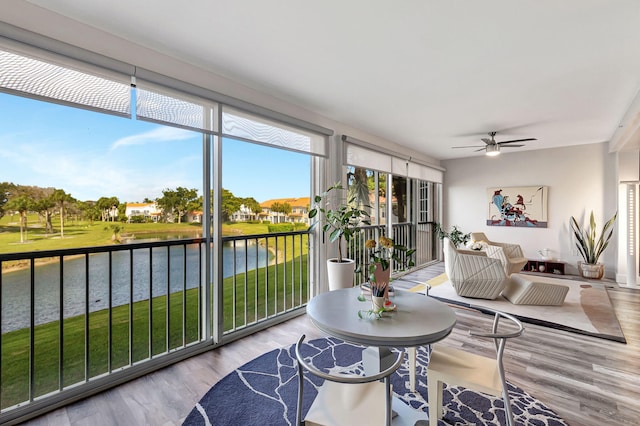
586,310
264,391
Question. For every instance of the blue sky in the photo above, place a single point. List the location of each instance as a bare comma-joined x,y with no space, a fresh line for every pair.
91,155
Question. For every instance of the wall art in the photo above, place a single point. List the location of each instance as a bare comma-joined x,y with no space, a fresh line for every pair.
523,206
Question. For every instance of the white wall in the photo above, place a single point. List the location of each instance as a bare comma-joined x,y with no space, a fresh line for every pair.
580,179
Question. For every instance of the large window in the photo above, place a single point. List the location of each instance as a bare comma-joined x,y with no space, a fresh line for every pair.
111,215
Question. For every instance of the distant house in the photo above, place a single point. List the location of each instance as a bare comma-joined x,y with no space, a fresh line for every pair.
299,210
193,216
149,211
244,214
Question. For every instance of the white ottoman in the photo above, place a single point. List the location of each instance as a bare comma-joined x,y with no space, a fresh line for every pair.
535,290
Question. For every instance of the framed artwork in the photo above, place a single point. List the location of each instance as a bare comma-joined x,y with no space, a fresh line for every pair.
524,206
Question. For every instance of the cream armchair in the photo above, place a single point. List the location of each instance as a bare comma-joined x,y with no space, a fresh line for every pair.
478,277
510,255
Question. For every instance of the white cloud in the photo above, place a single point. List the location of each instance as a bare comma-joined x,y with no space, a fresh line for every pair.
89,174
160,134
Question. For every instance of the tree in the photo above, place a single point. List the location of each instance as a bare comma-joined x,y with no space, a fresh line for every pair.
230,204
90,210
61,198
252,205
6,188
44,206
108,207
284,208
359,187
178,202
122,212
22,204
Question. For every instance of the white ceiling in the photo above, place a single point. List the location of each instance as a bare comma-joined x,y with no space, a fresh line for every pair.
426,74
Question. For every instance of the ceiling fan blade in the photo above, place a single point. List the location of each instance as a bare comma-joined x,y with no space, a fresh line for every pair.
487,141
481,149
517,140
511,146
468,146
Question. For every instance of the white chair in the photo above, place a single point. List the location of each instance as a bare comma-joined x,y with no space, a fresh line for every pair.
460,368
510,255
347,399
478,277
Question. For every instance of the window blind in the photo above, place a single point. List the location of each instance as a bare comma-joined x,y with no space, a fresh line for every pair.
419,171
358,155
246,126
163,105
46,76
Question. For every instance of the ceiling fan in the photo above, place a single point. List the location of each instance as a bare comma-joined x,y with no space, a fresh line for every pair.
492,147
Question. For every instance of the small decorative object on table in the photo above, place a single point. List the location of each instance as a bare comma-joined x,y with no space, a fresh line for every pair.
477,245
380,257
378,296
379,273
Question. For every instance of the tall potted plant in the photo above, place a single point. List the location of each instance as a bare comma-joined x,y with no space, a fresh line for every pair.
456,236
590,247
339,223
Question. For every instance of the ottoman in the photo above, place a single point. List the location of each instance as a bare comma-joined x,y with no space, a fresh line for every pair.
535,290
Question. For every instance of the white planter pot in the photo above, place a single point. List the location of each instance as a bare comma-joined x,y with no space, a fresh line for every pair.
587,270
340,275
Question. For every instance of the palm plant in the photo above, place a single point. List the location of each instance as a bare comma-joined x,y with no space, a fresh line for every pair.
588,245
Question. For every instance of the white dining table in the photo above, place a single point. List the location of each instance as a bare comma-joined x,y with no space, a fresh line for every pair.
417,320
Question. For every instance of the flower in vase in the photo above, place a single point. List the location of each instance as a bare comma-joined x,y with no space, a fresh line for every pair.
383,251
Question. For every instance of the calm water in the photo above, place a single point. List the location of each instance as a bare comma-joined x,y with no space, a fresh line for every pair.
15,285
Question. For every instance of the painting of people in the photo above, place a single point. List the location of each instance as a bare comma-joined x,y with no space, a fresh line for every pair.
524,206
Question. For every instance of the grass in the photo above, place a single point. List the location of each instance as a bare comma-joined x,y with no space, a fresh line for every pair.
255,295
90,234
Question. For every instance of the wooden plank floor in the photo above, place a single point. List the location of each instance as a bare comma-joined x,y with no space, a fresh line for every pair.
586,380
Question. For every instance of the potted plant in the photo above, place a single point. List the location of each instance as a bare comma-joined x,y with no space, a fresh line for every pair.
591,247
339,223
381,254
456,236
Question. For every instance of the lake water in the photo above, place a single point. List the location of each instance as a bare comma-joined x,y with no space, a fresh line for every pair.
16,285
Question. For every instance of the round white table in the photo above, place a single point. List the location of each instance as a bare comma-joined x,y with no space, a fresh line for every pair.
418,320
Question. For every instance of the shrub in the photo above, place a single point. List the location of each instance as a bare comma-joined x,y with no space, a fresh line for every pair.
137,219
281,227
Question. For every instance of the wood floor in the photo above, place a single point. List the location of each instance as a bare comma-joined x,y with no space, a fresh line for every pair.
586,380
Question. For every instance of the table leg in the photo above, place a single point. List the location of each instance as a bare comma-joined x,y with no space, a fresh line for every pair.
411,354
374,360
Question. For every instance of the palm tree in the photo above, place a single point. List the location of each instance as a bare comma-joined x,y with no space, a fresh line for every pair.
60,197
359,187
22,205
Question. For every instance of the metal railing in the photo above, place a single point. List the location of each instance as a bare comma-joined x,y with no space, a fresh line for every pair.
72,318
407,234
276,284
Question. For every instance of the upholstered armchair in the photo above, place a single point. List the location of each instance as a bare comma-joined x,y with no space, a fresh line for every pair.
510,255
478,277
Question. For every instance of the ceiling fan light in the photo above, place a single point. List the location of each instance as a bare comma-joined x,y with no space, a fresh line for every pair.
493,150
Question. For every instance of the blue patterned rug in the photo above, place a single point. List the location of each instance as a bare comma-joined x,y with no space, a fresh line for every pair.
264,392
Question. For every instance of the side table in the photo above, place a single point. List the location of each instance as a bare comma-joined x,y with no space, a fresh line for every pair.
555,267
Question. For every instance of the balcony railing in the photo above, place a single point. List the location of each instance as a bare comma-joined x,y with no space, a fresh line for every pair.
74,317
277,284
418,237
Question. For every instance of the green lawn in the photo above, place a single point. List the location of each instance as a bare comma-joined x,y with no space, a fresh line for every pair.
86,234
255,295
